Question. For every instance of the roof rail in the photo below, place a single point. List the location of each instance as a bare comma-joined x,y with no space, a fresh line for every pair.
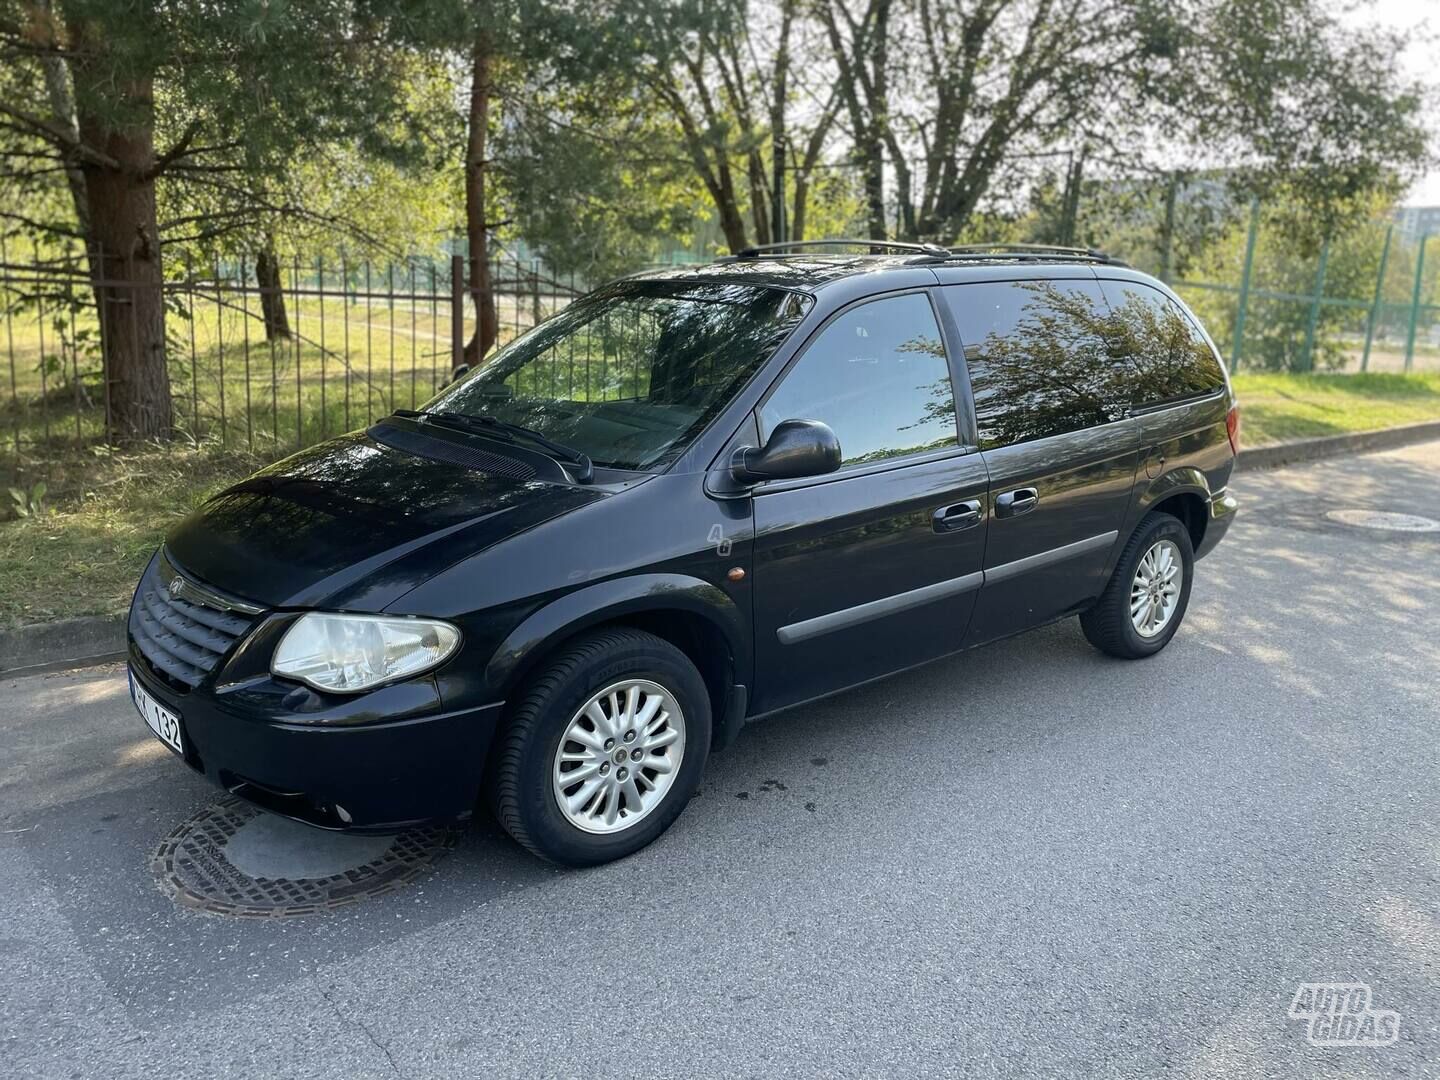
1032,253
843,241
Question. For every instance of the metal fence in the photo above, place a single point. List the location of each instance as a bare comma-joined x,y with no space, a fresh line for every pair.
1380,319
305,349
272,355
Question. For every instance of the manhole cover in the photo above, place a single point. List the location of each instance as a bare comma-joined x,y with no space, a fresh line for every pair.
233,859
1384,519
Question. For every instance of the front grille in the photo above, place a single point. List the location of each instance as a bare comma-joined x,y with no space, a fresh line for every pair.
183,639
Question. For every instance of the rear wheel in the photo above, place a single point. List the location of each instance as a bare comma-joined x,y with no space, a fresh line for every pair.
604,749
1145,600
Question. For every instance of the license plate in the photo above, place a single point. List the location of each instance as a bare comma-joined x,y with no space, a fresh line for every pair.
164,723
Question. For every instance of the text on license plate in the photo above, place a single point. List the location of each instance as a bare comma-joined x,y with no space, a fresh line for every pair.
164,723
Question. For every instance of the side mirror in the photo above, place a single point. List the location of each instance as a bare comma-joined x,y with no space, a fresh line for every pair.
795,448
461,370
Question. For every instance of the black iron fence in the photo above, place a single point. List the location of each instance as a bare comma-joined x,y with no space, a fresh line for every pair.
265,353
271,353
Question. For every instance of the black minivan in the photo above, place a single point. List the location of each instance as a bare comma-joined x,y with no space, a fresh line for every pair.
692,498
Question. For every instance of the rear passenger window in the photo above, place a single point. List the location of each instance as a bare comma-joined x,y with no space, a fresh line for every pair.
1169,358
878,376
1038,359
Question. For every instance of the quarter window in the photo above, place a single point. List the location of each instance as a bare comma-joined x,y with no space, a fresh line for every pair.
1169,359
1037,356
877,375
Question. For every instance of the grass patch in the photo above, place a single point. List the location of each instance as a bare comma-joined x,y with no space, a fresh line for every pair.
1277,407
104,513
101,518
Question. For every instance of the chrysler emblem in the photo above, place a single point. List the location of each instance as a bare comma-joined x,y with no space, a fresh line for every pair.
176,584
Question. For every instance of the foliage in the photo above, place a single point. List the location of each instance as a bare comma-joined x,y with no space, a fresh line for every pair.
615,131
343,118
1278,328
1296,102
29,503
630,199
952,105
1128,216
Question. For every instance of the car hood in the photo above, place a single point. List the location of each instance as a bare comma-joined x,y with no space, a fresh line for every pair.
353,524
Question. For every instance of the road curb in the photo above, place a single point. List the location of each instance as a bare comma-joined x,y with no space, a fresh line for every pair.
64,643
1360,442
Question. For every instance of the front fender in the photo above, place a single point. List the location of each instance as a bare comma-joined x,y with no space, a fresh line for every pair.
610,600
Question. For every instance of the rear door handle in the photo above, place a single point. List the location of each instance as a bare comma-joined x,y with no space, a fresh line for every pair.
963,515
1017,502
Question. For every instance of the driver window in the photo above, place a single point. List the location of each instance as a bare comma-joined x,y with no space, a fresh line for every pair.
878,376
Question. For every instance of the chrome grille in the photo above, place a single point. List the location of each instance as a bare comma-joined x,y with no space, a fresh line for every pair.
183,637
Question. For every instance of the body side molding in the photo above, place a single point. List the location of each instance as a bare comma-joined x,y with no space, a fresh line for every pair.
886,605
1049,558
891,605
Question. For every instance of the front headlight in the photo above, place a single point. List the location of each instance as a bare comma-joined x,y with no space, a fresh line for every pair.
345,654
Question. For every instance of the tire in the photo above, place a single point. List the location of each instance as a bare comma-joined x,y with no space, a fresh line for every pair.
1109,625
527,768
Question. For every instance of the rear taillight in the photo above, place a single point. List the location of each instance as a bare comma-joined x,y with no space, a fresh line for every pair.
1232,427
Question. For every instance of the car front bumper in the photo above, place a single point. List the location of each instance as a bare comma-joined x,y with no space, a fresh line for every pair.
335,771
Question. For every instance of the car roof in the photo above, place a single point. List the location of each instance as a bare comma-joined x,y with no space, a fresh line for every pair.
804,272
813,272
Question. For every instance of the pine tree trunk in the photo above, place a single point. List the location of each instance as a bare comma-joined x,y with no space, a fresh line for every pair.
272,295
125,238
481,287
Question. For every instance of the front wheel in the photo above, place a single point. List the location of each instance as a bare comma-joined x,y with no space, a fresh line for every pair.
1145,600
604,749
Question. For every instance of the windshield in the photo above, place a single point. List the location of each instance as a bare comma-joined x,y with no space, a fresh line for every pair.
631,374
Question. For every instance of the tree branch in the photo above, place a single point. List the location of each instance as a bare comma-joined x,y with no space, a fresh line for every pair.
58,136
176,152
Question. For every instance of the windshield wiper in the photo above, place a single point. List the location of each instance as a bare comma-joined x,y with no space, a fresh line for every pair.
493,427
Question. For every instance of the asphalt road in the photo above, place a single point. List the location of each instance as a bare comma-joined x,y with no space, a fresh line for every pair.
1029,860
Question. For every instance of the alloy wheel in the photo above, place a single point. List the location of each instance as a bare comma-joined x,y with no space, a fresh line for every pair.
1155,590
619,756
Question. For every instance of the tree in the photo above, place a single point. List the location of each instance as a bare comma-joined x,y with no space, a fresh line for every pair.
498,38
1309,111
272,295
585,177
737,80
1286,263
945,97
477,168
204,92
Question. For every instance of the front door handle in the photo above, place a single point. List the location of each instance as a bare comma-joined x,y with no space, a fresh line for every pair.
963,515
1017,502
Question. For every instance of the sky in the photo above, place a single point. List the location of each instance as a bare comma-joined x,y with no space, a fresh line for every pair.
1420,19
